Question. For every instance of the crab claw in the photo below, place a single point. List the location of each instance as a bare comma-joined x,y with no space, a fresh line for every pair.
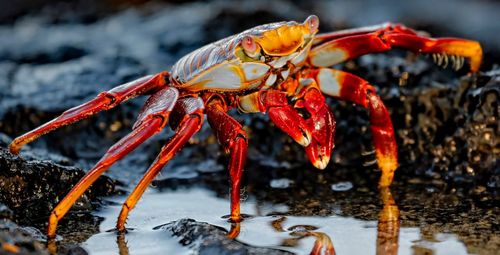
287,118
318,154
322,123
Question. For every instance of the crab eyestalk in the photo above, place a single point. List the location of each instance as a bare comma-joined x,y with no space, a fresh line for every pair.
313,23
250,47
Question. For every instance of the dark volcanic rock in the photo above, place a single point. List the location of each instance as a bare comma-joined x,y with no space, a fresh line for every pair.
204,238
453,130
33,188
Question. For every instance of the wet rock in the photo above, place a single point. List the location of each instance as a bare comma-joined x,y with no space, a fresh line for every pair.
32,188
16,240
451,130
30,241
204,238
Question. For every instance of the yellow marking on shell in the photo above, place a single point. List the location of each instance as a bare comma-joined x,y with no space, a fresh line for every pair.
283,40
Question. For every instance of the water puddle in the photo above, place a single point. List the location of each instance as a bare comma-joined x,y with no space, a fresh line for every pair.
296,234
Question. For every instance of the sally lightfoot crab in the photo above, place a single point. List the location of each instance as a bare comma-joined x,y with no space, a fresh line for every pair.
282,69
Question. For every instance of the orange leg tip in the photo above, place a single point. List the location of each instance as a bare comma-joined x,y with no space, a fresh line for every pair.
234,231
52,246
15,147
122,218
52,227
388,165
12,248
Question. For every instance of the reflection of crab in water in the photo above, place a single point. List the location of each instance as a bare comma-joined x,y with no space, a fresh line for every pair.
280,69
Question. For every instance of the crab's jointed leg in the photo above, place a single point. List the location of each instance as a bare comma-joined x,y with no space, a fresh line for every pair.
104,101
349,87
323,37
339,49
233,139
150,121
190,112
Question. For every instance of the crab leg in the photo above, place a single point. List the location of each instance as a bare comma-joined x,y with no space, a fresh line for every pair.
233,139
192,111
387,27
150,121
346,86
339,50
104,101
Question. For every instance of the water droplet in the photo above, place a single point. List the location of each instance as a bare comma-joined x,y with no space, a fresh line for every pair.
281,183
342,186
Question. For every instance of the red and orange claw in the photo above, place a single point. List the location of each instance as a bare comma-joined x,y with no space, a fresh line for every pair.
443,49
318,154
287,118
322,124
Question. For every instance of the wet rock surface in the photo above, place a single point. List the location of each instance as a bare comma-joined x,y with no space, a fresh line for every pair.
31,188
446,122
17,240
204,238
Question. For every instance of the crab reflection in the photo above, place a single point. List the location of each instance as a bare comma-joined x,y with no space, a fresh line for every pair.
388,231
388,228
388,224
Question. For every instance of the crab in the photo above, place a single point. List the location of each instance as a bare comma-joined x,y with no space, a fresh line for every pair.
282,69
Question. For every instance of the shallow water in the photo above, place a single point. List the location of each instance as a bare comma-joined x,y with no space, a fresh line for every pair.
348,235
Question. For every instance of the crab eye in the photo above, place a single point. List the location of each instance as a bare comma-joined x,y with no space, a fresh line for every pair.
313,22
248,44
